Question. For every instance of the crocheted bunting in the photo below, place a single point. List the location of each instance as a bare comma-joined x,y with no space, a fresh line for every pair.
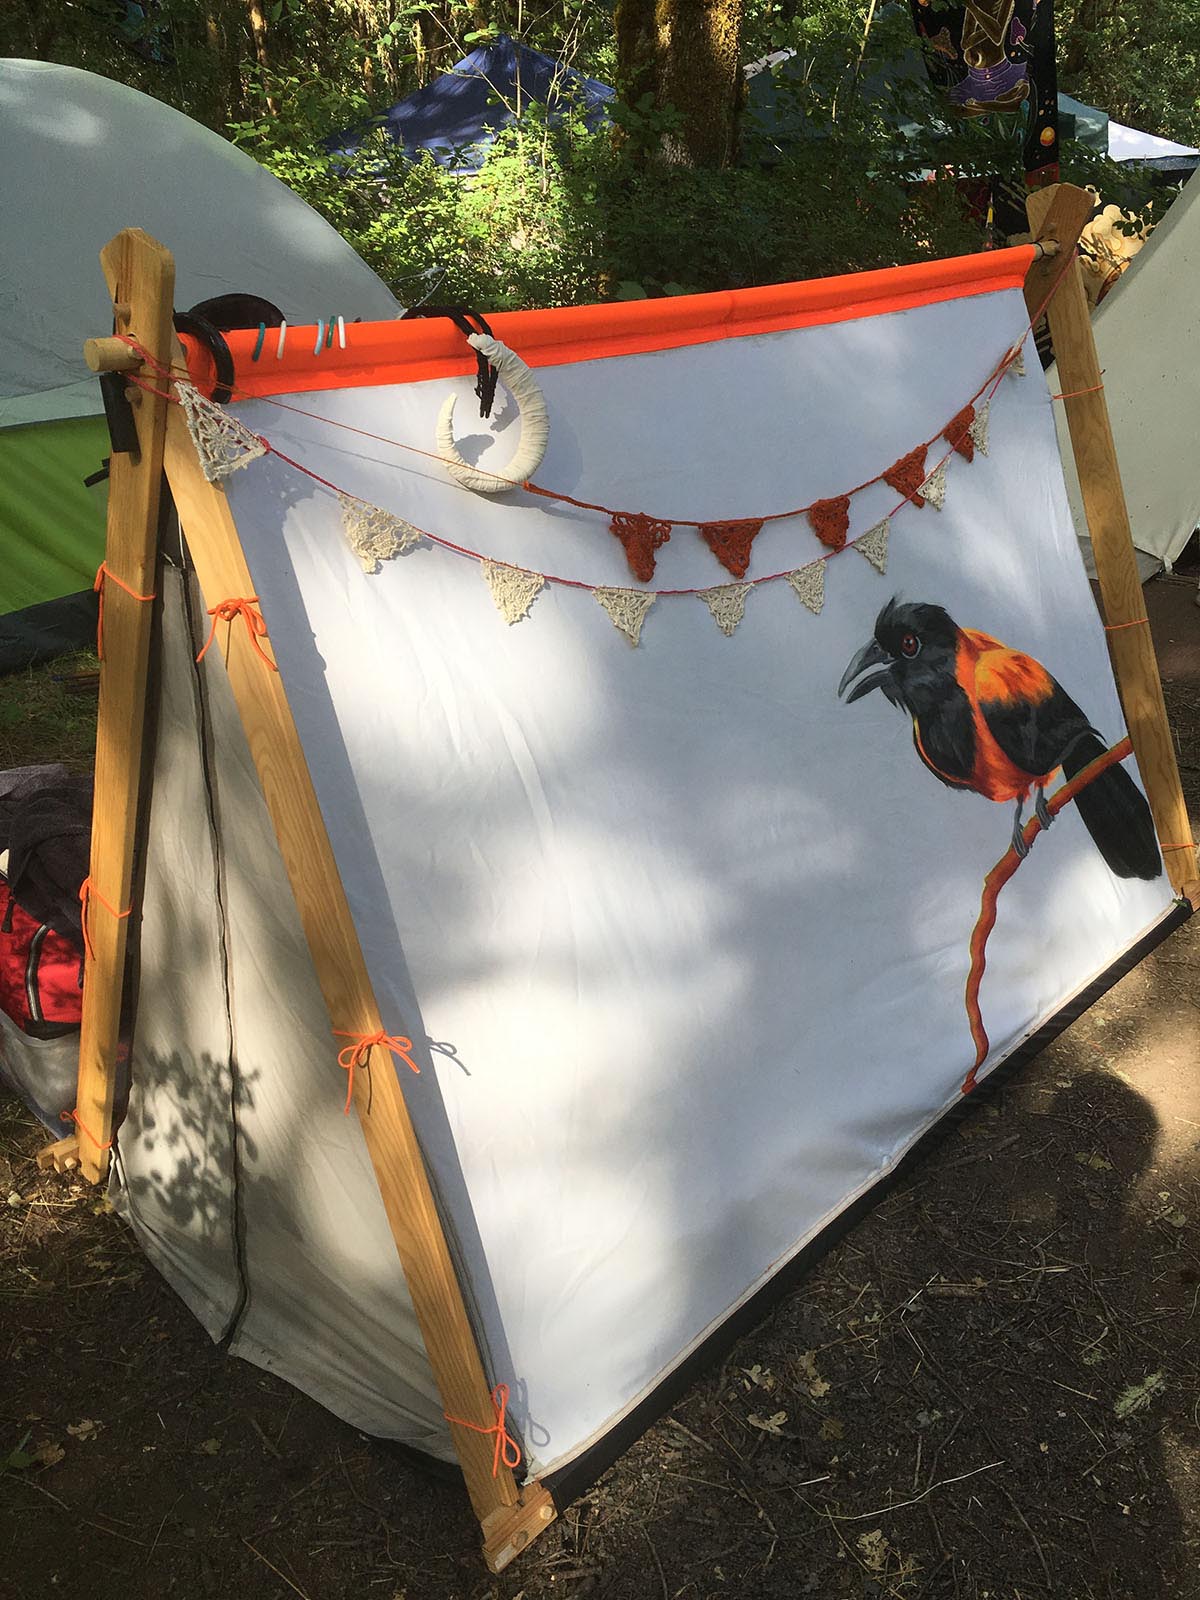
627,608
830,519
730,542
979,428
374,534
907,475
1016,364
727,604
934,487
222,442
513,589
809,584
874,545
958,432
641,536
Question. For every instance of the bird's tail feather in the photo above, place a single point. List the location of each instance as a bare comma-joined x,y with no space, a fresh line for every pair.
1115,813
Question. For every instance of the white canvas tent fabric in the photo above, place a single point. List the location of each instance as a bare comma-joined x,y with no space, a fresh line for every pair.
1147,334
79,150
679,936
1131,144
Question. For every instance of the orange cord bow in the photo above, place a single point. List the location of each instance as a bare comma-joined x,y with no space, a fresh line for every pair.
256,626
87,889
358,1054
73,1116
507,1449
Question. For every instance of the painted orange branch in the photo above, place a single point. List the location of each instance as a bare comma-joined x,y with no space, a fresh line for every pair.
999,876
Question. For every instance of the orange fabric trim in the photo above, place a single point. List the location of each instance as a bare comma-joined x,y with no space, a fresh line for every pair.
507,1449
413,351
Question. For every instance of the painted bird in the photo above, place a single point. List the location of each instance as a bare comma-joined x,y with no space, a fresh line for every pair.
993,720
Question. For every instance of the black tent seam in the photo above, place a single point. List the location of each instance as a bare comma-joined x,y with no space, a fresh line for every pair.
204,745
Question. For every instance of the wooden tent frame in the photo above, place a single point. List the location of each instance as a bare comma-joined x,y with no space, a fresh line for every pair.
140,277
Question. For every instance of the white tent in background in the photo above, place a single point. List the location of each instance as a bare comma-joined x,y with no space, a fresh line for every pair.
79,149
1148,338
1131,144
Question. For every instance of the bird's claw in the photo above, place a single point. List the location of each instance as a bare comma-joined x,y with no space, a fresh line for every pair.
1018,842
1041,810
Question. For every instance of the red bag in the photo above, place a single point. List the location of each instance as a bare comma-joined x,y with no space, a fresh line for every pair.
40,972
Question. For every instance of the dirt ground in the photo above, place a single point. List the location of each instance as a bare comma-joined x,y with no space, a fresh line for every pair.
988,1391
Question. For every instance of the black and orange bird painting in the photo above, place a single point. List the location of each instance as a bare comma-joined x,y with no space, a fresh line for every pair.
992,720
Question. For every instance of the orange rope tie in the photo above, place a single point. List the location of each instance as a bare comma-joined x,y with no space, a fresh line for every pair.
1115,627
507,1451
1190,845
1074,394
73,1116
86,890
256,625
103,576
358,1054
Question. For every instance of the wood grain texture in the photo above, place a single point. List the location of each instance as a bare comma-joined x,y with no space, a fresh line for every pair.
1124,604
1056,214
320,898
140,275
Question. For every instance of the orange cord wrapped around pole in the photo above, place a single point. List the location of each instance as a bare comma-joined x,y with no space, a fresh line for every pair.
999,876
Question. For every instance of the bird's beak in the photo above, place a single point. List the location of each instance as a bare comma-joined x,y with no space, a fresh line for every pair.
872,654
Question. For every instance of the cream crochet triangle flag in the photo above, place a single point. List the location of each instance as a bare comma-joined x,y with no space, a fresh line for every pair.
373,534
934,487
874,545
513,589
627,608
979,428
222,442
809,584
727,604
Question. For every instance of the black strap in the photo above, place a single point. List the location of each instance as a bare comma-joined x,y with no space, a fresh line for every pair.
467,322
101,472
213,341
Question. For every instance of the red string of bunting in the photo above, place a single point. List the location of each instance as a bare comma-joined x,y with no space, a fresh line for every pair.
642,535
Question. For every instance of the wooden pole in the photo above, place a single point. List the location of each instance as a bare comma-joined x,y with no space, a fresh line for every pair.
141,280
1124,603
509,1517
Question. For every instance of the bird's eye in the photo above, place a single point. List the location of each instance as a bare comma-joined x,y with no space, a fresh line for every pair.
910,645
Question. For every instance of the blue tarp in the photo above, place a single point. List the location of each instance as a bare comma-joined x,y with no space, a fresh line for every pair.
457,116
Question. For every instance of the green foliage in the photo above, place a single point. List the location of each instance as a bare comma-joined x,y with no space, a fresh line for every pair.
841,179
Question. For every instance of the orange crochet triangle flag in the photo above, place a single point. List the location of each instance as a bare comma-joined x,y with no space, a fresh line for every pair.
730,542
908,474
958,432
830,519
641,536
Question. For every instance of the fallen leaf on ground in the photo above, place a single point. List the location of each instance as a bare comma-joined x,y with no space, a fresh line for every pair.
771,1424
87,1429
831,1428
1139,1395
873,1549
209,1447
48,1454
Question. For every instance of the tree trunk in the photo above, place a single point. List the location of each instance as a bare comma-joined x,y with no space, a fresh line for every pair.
687,53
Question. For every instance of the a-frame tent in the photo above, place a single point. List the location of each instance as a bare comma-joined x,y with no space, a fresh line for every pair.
672,1001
